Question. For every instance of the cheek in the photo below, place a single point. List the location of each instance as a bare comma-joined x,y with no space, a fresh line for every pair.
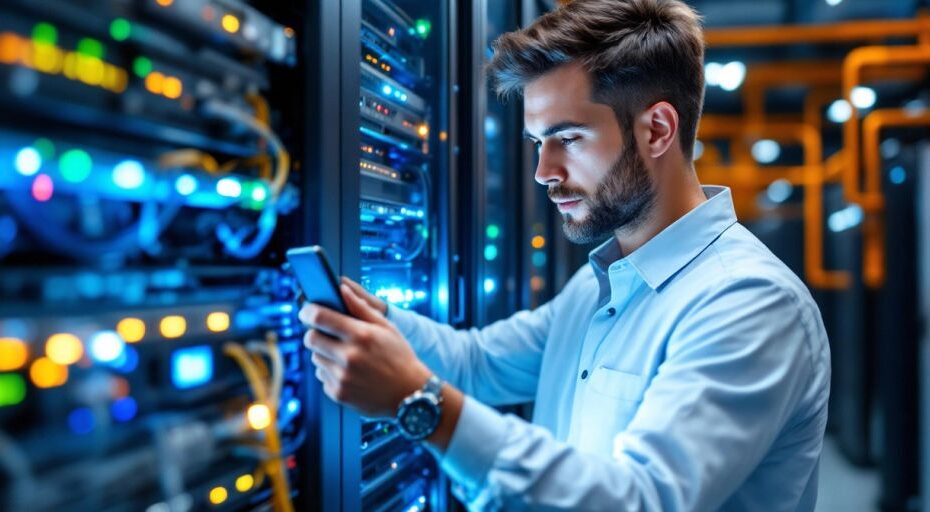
589,168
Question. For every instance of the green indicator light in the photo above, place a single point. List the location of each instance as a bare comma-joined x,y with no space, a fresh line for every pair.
90,47
75,165
493,231
490,252
423,28
44,33
12,389
141,66
45,148
259,193
120,29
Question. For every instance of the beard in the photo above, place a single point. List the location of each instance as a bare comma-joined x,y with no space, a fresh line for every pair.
622,199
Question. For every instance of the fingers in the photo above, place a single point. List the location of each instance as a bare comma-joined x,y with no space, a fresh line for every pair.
327,346
327,368
365,295
359,308
332,376
334,323
357,288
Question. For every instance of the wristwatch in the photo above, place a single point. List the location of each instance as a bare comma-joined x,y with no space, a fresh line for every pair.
418,414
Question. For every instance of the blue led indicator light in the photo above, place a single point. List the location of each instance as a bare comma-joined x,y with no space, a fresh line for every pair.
185,184
81,421
124,409
191,366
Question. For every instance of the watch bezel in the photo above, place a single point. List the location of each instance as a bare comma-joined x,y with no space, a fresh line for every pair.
419,397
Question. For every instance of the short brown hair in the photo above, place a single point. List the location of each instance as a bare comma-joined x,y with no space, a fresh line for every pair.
638,52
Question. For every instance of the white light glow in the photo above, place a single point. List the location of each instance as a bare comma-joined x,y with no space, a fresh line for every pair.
128,174
732,76
779,191
229,187
839,111
712,72
863,97
844,219
766,151
106,346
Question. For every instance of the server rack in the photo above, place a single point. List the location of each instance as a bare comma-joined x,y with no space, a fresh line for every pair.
387,160
151,358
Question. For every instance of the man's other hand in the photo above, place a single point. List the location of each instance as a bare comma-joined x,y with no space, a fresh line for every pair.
362,360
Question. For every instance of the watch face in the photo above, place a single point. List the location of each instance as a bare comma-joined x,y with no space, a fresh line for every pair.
419,418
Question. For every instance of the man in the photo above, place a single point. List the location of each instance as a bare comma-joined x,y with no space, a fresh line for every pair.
686,368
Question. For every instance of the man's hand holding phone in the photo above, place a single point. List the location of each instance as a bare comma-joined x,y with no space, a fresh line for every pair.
362,360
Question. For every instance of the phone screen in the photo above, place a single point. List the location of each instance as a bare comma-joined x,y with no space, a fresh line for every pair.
316,277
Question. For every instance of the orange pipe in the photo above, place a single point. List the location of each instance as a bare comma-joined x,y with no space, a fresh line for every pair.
825,33
872,126
814,268
871,200
873,269
747,175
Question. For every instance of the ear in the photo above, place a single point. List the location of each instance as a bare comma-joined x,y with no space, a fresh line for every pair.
658,129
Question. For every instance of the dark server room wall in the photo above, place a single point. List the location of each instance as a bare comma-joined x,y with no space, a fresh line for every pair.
151,355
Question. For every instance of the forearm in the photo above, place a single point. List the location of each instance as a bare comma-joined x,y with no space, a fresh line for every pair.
498,364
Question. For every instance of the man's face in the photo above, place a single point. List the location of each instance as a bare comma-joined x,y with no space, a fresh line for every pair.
593,171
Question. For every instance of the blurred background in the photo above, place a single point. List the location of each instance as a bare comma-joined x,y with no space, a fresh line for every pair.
157,157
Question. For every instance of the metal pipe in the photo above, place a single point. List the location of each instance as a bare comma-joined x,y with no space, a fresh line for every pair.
850,31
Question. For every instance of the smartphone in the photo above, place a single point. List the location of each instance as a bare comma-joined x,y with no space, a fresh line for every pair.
316,277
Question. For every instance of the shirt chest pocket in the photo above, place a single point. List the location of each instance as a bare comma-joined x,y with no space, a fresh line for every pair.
611,399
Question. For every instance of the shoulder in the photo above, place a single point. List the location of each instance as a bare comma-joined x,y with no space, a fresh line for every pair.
739,263
738,282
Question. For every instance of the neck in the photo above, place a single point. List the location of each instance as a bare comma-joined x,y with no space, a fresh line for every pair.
677,193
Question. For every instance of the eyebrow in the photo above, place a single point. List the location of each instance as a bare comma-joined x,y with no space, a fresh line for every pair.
556,128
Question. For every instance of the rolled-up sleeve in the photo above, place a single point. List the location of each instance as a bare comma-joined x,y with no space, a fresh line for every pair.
738,372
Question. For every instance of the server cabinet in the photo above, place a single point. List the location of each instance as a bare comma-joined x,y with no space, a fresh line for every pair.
150,157
387,162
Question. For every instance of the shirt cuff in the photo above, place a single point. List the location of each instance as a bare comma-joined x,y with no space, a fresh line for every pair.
475,444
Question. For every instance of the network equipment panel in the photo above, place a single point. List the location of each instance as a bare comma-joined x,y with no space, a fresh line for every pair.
150,355
400,91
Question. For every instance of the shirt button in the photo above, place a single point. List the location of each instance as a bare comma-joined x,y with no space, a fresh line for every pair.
584,374
611,312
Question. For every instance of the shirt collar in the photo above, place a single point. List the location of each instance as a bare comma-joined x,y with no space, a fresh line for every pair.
668,252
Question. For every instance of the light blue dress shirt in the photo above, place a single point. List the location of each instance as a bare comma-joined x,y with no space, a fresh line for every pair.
690,375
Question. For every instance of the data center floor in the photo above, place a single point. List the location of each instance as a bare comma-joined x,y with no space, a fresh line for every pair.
844,486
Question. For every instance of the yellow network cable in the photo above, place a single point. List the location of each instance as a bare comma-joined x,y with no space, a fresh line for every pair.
269,395
258,103
189,158
243,358
263,162
282,157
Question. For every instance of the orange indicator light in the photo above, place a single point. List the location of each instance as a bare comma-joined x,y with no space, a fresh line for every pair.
45,373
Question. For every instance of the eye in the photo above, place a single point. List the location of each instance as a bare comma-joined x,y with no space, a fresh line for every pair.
568,141
537,144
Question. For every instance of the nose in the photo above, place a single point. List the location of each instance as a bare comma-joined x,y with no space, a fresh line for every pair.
550,169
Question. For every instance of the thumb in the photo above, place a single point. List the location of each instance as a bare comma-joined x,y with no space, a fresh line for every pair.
359,308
